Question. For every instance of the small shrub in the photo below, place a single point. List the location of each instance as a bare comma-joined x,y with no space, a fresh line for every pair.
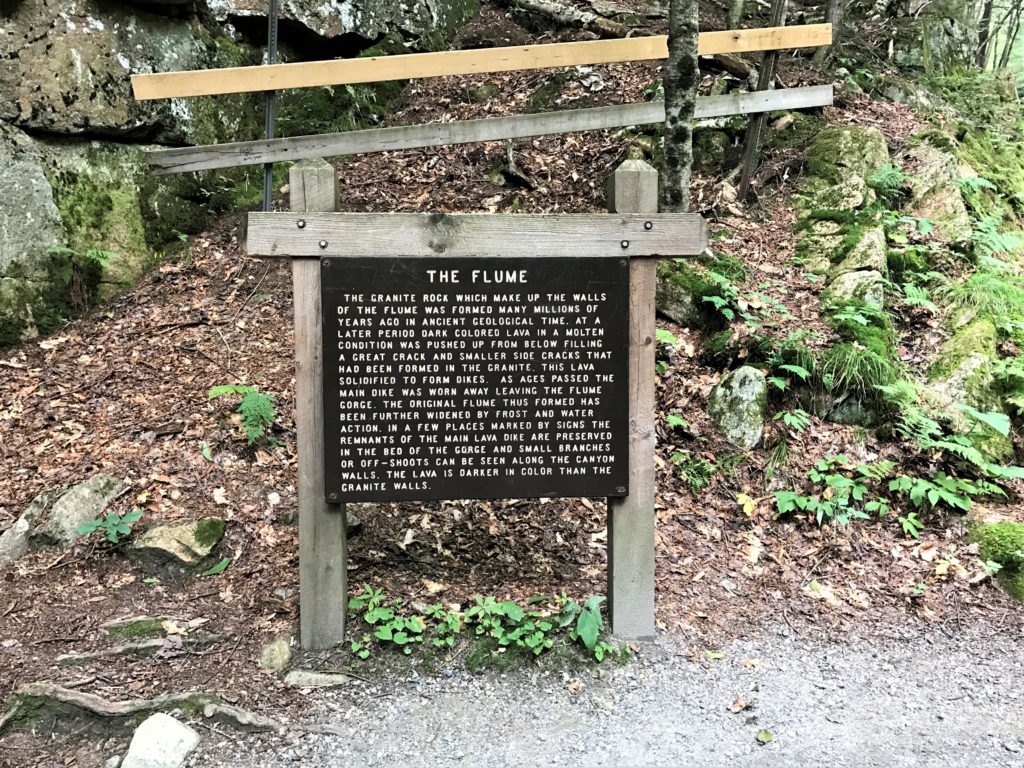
112,525
256,409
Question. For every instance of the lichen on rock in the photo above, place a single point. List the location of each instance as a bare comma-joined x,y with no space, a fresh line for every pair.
738,406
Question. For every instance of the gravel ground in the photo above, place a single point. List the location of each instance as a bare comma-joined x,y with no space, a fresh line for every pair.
904,699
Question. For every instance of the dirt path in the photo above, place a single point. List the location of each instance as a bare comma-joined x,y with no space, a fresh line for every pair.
901,698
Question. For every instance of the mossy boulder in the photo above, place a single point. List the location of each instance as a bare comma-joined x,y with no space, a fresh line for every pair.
713,151
177,546
935,191
962,373
868,253
680,293
1000,539
738,405
939,36
863,286
840,160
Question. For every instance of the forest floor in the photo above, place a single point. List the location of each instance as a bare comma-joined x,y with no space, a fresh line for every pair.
124,391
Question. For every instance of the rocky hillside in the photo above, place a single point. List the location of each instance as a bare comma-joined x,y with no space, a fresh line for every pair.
82,219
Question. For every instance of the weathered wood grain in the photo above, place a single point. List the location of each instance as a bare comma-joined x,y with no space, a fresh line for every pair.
480,235
323,545
631,519
185,159
212,82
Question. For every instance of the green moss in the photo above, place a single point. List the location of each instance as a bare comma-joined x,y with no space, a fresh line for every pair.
798,135
487,654
134,630
720,350
903,262
1002,543
877,336
209,531
851,226
976,338
729,267
543,97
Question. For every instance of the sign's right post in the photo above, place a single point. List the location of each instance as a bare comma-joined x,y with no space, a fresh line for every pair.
633,188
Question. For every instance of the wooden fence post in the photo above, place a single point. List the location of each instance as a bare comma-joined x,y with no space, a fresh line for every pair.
323,545
633,188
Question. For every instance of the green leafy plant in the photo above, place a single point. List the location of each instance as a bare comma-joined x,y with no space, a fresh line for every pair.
916,296
888,182
942,490
112,525
665,343
843,495
218,568
675,421
504,623
256,408
695,471
797,419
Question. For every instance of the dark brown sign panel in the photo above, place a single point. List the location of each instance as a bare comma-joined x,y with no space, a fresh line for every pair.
475,378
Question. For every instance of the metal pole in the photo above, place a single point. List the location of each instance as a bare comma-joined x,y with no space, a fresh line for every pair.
268,129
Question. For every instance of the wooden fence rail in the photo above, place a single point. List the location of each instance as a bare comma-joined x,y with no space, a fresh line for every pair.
212,82
186,159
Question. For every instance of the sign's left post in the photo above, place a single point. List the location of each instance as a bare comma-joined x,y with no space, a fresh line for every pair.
323,545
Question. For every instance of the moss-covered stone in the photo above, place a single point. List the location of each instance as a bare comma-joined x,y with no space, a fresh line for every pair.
935,191
962,373
1003,543
839,162
209,531
149,626
738,406
680,295
713,151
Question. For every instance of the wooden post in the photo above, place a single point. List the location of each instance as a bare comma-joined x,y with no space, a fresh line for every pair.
633,188
765,80
323,546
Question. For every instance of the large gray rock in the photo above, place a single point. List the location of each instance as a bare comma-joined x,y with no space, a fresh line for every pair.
840,161
935,191
160,742
369,19
177,544
67,65
870,253
14,542
738,405
81,504
83,196
866,286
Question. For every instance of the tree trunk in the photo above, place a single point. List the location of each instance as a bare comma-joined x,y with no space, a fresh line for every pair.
681,78
984,35
833,16
736,13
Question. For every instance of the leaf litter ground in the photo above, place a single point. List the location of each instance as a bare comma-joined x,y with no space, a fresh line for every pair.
124,391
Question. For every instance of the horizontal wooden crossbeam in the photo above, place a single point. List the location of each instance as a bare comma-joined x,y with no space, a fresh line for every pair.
185,159
211,82
475,234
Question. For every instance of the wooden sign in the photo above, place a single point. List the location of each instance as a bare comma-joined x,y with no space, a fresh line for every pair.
451,378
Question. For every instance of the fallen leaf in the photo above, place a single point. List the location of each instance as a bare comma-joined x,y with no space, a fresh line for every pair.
410,537
765,736
220,496
739,705
751,663
433,587
752,551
